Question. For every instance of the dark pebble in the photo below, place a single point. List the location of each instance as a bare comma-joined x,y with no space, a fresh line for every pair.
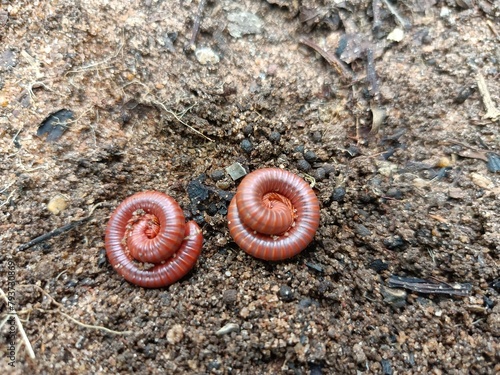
299,148
493,162
286,293
310,156
248,129
246,145
338,194
303,165
386,367
353,150
394,193
319,174
275,137
329,169
72,283
101,258
212,209
317,136
378,265
362,231
230,296
217,175
395,243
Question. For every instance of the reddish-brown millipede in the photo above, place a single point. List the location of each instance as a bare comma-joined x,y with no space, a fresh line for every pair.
150,227
274,214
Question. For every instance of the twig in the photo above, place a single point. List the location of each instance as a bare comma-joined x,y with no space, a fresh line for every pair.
162,106
401,20
58,231
100,328
191,46
338,64
376,16
13,313
491,111
429,286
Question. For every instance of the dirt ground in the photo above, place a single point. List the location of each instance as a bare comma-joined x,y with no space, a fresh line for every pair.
389,108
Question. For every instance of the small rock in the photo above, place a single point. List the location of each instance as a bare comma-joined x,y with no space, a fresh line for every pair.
275,137
319,174
303,165
217,175
246,145
57,204
230,296
317,136
362,231
175,334
338,194
310,156
206,56
248,129
394,297
236,171
243,23
394,243
228,328
286,293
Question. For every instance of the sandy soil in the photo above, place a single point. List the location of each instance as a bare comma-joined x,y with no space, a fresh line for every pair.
399,138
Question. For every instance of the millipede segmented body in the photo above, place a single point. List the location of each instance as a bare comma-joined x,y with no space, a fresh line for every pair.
274,214
149,227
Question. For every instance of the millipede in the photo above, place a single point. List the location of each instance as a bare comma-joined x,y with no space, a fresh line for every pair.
274,214
149,228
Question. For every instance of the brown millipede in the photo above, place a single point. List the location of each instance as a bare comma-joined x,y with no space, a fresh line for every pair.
149,227
274,214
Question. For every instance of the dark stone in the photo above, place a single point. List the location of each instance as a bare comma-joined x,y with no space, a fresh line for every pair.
275,137
317,136
286,293
319,174
378,265
247,130
246,145
230,296
310,156
395,243
217,175
338,194
303,165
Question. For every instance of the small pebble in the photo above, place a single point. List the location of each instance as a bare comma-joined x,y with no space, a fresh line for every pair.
394,297
228,328
394,243
303,165
246,145
299,148
317,136
230,296
175,334
236,171
286,293
338,194
310,156
275,137
319,174
206,56
57,204
247,130
329,169
217,175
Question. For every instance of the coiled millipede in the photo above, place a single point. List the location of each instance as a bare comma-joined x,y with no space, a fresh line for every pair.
149,227
274,214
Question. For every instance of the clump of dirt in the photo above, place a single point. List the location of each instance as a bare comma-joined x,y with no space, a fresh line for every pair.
390,110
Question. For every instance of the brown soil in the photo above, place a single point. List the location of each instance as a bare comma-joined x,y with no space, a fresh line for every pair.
403,162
